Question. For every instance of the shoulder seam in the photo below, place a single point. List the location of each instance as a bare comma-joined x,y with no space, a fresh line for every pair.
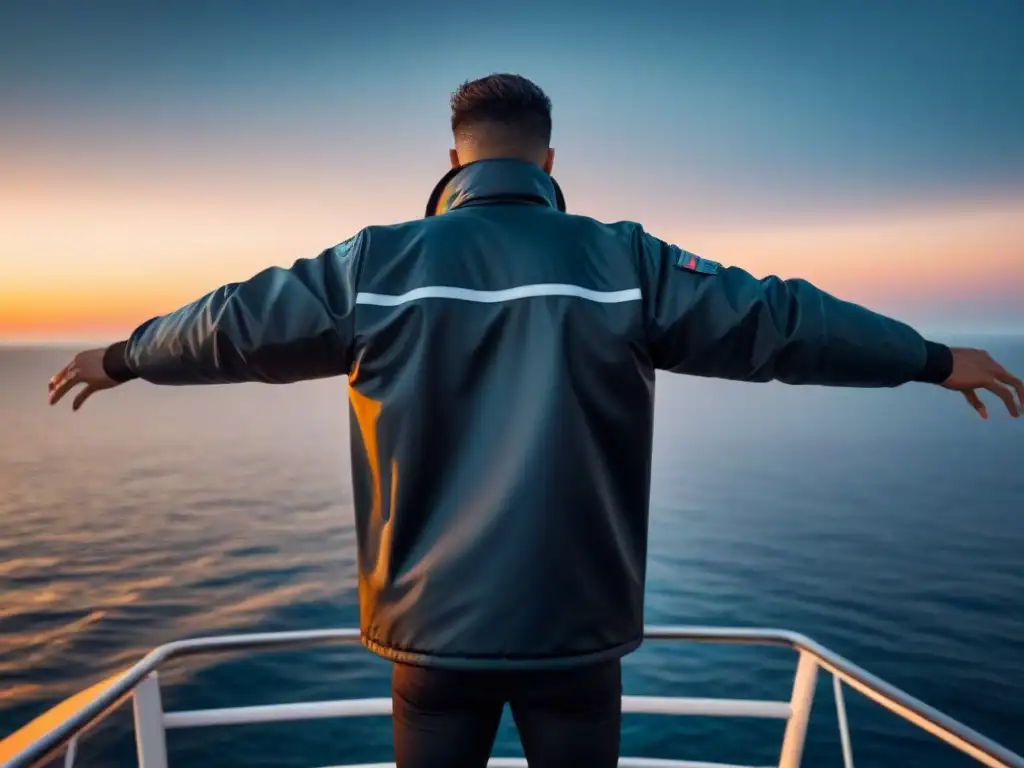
358,245
640,252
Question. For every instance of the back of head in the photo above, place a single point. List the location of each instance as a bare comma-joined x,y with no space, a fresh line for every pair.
501,116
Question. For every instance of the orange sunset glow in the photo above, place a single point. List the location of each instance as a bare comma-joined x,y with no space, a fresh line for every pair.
92,265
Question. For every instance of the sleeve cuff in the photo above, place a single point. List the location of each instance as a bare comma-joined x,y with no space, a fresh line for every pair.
115,364
938,365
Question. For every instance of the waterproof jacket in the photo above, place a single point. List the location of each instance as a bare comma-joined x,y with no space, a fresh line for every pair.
501,361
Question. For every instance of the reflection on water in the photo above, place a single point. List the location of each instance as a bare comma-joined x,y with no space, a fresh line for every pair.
886,524
160,514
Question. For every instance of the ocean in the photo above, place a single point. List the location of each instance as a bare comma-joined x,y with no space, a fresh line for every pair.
888,525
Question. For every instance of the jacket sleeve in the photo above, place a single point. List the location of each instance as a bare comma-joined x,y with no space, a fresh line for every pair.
280,326
707,320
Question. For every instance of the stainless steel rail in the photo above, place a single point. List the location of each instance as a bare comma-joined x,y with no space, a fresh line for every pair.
812,657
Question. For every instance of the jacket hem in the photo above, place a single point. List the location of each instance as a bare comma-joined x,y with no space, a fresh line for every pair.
442,661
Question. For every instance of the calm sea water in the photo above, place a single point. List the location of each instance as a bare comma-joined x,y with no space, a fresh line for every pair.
888,525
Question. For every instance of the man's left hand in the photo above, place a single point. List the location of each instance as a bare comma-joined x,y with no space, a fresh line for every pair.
86,368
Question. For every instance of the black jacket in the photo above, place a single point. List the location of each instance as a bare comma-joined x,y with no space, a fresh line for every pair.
501,363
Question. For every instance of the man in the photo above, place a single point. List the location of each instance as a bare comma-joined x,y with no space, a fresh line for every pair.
501,362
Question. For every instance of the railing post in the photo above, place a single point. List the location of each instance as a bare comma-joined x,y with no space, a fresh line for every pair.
800,705
844,726
149,724
72,751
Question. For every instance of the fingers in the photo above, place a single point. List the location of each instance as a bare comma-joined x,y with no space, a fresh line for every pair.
62,383
82,396
975,402
85,368
1006,395
1012,381
61,375
979,371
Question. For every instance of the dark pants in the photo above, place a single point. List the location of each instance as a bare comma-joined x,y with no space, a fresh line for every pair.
447,718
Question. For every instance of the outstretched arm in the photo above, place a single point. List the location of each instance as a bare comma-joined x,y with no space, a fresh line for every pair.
707,320
280,326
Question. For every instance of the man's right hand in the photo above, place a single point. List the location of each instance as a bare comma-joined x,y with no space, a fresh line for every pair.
86,368
974,369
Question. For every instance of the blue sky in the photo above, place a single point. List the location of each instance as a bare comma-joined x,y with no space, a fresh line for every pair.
862,99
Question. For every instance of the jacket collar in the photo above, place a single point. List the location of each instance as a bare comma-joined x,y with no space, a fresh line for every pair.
485,181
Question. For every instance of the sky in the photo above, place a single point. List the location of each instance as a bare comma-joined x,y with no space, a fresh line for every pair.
150,152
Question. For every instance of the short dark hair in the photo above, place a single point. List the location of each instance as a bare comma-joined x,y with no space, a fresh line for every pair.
511,103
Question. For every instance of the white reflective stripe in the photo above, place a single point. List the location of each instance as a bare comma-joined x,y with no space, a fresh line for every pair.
492,297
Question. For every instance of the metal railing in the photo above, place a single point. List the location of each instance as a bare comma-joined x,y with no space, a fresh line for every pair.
61,728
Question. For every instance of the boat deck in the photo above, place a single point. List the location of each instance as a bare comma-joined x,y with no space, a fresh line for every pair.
59,730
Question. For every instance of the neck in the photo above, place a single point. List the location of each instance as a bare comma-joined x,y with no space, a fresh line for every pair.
472,155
